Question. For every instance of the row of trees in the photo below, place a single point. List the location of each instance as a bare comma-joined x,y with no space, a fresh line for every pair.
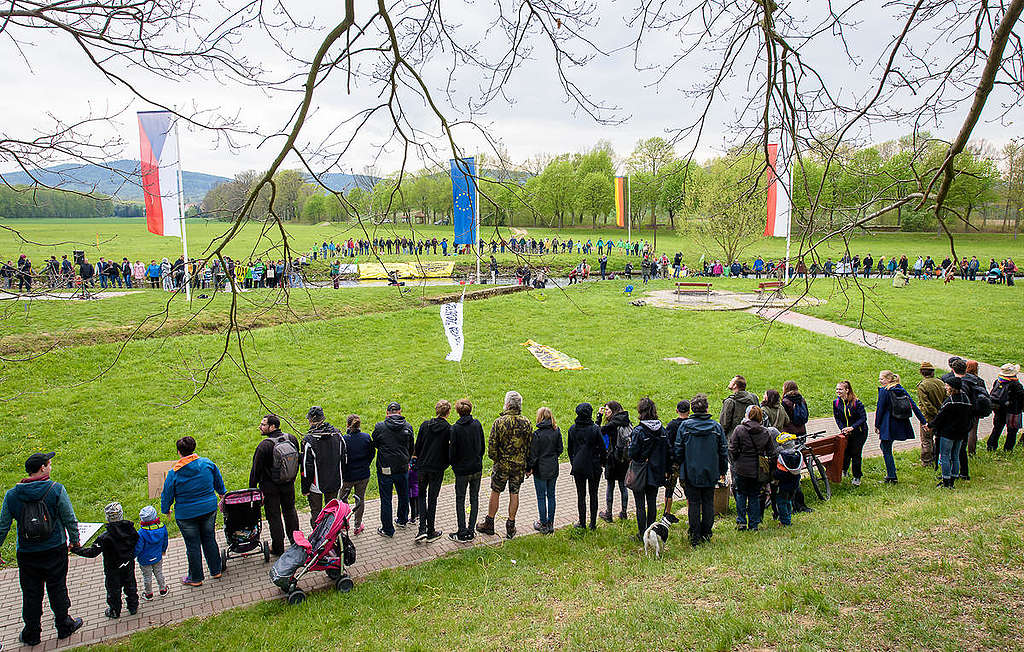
34,201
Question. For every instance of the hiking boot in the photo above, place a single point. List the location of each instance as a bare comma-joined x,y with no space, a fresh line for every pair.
510,528
110,613
76,624
434,536
487,527
623,515
606,516
671,518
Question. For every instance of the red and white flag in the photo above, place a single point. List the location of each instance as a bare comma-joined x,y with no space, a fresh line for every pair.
779,205
161,166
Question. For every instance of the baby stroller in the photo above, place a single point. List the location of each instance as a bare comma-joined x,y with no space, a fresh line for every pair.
243,525
328,549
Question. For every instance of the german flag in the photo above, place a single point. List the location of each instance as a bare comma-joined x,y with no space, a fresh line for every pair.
621,201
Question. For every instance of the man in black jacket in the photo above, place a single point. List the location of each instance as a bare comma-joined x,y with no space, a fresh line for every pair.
431,457
466,453
323,457
392,439
278,492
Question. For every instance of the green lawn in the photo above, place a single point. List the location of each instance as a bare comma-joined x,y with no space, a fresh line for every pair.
904,568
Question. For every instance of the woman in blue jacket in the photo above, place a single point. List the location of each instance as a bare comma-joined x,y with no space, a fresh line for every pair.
852,419
648,444
892,418
192,486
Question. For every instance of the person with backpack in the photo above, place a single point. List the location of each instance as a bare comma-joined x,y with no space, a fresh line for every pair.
796,408
952,424
981,403
431,460
616,432
586,458
275,464
648,464
542,463
852,419
700,450
466,453
893,411
322,457
1007,401
734,407
749,444
193,486
47,529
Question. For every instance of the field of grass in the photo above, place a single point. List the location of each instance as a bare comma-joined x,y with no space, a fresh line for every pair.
357,364
879,568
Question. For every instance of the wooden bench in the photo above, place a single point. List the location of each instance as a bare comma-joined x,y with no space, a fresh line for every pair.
696,288
775,287
830,451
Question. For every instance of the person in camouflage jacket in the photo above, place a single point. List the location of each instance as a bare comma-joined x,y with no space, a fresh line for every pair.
508,447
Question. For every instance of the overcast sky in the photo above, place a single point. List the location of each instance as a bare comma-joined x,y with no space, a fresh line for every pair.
59,83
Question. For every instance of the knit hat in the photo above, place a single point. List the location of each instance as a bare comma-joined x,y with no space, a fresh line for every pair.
148,515
954,382
114,512
1009,371
315,414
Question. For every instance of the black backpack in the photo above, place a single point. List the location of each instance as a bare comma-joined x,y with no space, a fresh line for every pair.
980,399
1000,394
902,406
36,523
623,435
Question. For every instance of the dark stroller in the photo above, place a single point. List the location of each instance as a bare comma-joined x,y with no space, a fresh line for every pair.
328,549
243,525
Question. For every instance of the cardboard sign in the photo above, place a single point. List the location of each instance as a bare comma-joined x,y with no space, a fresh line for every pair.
156,473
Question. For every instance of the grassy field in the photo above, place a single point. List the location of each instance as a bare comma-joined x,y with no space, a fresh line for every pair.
879,568
128,237
357,364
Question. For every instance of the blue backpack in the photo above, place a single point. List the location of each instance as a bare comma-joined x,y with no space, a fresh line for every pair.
800,414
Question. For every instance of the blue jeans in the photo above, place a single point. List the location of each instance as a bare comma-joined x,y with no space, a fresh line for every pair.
949,457
545,498
400,483
103,280
890,463
784,503
200,535
748,502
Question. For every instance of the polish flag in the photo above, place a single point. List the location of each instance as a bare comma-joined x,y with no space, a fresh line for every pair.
161,167
779,206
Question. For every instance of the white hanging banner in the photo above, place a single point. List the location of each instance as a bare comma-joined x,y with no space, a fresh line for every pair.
451,321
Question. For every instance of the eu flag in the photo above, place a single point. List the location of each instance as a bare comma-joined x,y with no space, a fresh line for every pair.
464,199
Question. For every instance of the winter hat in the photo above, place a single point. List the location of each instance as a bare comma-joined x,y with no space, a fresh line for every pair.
1009,371
114,512
954,382
585,412
148,515
315,414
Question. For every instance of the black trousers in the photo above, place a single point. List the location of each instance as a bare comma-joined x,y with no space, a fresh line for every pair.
118,580
316,504
585,486
278,501
854,452
38,570
700,511
464,483
646,508
430,487
998,423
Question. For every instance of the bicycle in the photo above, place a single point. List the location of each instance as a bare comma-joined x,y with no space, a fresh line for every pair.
815,469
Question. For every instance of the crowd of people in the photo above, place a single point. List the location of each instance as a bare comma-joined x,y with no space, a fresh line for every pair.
755,440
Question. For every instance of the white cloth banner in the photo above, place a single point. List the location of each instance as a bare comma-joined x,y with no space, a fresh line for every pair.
451,321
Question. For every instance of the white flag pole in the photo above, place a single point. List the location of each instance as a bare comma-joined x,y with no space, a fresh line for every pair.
629,216
181,216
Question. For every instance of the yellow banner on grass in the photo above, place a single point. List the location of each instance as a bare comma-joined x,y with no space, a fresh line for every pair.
552,358
426,269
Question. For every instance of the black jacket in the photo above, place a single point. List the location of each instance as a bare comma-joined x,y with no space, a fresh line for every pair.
432,445
1013,396
263,459
955,418
649,444
116,544
323,456
545,448
748,441
586,445
392,438
466,448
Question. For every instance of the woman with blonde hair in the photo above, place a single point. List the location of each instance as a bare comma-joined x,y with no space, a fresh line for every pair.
545,448
892,418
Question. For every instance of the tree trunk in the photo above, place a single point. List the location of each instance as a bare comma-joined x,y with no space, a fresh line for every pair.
672,219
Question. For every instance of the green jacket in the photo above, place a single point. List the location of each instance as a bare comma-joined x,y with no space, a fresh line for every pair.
931,392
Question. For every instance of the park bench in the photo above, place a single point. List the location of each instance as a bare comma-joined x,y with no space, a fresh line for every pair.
774,287
696,288
830,451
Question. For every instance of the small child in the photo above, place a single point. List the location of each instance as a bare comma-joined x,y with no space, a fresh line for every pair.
117,545
150,551
414,493
786,474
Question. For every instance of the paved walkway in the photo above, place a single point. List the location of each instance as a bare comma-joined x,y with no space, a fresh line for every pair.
246,580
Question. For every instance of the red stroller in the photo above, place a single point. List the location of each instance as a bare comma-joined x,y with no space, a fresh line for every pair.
328,549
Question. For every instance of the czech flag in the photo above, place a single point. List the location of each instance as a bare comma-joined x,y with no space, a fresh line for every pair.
161,172
779,205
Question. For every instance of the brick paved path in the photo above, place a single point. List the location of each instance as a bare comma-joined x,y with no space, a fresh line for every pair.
246,580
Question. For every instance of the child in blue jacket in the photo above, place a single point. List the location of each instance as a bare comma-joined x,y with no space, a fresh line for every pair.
150,551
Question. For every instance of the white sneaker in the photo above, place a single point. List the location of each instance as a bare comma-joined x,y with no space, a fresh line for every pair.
856,482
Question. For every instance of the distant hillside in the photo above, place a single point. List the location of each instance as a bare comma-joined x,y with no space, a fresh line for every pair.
121,180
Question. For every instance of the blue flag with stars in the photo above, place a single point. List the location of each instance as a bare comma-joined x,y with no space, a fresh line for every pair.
464,199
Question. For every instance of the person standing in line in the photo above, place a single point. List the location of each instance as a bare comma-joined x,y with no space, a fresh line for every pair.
431,460
734,407
796,408
322,458
42,550
775,416
466,453
150,550
952,424
852,419
545,448
617,433
275,464
508,447
586,457
393,441
193,486
749,442
648,448
892,418
671,430
1007,401
703,457
931,393
117,545
355,474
